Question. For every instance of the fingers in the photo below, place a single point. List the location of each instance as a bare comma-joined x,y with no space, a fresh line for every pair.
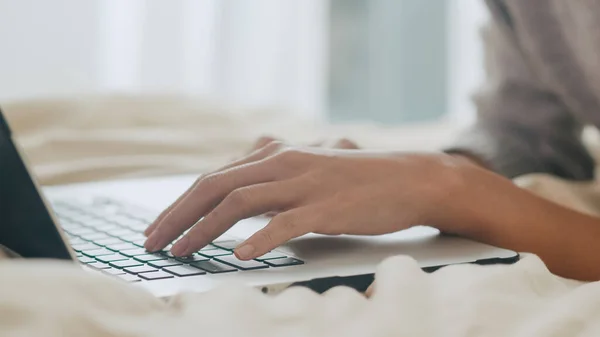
255,156
164,213
341,143
258,154
208,192
344,143
240,204
282,228
262,142
205,195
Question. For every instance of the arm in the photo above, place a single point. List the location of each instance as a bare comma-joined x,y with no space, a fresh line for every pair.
491,209
522,125
359,192
523,128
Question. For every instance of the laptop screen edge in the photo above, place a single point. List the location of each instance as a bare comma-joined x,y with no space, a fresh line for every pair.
5,128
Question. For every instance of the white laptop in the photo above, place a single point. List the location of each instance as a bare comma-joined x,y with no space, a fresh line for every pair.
99,225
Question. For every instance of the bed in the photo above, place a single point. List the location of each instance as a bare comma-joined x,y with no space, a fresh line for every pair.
113,137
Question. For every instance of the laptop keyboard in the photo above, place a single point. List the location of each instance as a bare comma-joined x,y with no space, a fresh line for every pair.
108,236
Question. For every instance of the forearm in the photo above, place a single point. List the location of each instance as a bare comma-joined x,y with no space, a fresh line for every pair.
491,209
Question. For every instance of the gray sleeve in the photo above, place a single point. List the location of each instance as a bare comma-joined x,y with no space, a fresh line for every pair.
522,127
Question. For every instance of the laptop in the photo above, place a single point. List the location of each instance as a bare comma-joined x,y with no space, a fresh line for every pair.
99,226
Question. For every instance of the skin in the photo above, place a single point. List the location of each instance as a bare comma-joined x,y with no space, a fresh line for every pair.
339,189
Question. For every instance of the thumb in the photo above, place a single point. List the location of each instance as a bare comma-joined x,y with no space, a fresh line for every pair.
282,228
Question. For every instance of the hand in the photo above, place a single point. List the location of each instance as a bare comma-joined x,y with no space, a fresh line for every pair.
341,143
319,190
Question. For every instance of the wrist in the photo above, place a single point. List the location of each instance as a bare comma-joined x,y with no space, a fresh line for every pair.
452,195
469,198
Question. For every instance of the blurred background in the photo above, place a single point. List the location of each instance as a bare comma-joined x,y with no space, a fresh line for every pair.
385,61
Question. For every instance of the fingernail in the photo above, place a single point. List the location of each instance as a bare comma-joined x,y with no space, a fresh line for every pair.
180,248
244,252
152,242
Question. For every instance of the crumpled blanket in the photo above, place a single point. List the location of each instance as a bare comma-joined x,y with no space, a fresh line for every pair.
52,299
104,138
96,137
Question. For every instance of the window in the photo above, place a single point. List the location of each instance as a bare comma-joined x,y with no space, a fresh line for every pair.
397,61
390,61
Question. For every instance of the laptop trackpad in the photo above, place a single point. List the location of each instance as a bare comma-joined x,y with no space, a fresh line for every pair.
418,239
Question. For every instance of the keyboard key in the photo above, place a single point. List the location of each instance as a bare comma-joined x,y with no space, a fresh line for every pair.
138,227
107,227
243,265
133,252
184,271
121,232
94,236
125,263
157,275
121,246
133,237
139,243
167,252
75,240
83,219
109,241
213,267
85,259
288,261
98,265
113,271
69,232
97,224
129,278
164,263
80,231
143,216
227,244
149,257
111,258
127,221
68,223
270,255
208,247
140,269
190,259
122,220
85,246
215,252
97,252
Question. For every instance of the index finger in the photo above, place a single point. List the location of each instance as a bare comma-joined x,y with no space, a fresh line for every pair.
252,157
207,194
242,203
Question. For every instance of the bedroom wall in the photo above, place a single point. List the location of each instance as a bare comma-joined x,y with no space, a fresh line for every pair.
377,65
47,48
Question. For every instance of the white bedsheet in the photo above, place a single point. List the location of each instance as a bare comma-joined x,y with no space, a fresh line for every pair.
100,138
518,300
